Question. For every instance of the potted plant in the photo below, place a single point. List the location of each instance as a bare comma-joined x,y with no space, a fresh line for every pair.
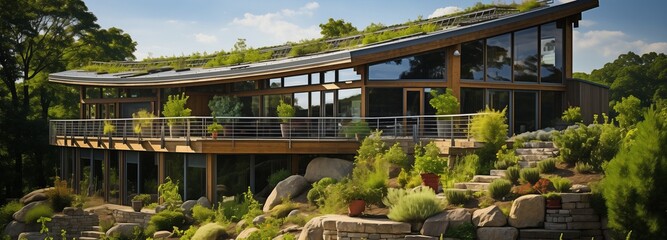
354,195
214,128
227,107
359,129
175,107
553,200
139,200
285,112
430,164
108,130
444,104
142,119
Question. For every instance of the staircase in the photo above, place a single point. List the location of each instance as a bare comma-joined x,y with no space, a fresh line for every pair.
533,152
92,234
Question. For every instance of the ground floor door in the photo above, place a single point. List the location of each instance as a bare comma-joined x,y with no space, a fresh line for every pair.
413,99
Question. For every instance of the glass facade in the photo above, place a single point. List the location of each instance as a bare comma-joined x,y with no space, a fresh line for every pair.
551,53
472,60
525,55
472,100
525,111
348,74
189,170
499,58
299,80
301,104
349,102
385,102
423,66
551,108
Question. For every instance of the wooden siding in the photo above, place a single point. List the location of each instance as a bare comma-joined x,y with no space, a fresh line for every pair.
591,97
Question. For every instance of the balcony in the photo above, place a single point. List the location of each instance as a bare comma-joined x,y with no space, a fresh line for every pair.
160,134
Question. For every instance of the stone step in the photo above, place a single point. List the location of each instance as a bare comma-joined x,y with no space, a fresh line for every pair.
528,164
484,178
472,186
528,151
457,190
96,228
92,234
548,234
538,145
534,157
498,172
88,238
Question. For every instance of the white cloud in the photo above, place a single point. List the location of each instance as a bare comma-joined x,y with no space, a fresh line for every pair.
444,11
205,38
592,49
587,23
280,25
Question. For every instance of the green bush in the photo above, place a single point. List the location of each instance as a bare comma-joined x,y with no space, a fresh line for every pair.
611,138
428,159
281,210
316,194
629,111
415,207
60,196
202,214
530,175
38,211
396,155
572,115
634,185
394,195
584,168
576,143
505,158
512,174
457,197
465,231
210,231
278,176
334,201
464,169
165,220
168,191
188,234
491,128
268,230
7,211
144,198
561,184
547,165
499,188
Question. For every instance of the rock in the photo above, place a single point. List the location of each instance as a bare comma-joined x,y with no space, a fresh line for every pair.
580,188
32,236
187,206
246,233
241,224
293,213
489,217
37,195
313,230
497,233
322,167
161,235
527,211
73,211
160,208
435,225
123,230
14,228
21,214
290,187
457,217
204,202
211,231
258,220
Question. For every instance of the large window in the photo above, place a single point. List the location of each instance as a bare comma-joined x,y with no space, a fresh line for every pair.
301,104
250,106
272,101
472,100
385,102
315,104
423,66
298,80
190,172
525,111
472,60
499,58
348,74
525,55
551,46
349,102
552,107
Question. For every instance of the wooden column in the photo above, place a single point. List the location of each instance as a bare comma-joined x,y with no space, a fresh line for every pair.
105,173
210,177
567,38
454,70
122,178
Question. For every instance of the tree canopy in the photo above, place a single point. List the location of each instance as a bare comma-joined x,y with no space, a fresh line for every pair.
336,28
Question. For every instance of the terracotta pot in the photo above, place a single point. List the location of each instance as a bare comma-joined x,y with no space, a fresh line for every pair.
553,204
356,207
431,180
214,135
137,205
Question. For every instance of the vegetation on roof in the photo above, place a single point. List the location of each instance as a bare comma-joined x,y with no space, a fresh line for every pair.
337,35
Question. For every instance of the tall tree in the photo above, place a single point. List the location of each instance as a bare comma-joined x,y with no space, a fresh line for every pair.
336,28
100,45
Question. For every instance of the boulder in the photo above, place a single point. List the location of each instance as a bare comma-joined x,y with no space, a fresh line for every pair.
21,214
580,188
489,217
290,187
123,230
73,211
322,167
313,230
246,233
497,233
293,213
159,235
457,217
37,195
160,208
258,220
32,236
527,211
13,229
212,231
187,206
204,202
435,225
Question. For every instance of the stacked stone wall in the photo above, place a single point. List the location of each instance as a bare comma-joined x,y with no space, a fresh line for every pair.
141,218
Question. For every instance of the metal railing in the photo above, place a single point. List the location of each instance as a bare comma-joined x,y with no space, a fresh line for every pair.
319,128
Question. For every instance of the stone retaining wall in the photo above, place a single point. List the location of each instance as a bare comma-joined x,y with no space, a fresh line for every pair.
141,218
346,228
72,224
575,214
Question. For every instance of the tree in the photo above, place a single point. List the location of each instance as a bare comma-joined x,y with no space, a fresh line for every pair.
175,107
634,185
100,45
629,111
336,28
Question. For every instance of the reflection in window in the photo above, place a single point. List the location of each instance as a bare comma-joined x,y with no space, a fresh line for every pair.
551,45
385,102
272,101
424,66
552,106
299,80
348,74
525,111
472,60
250,106
315,78
329,76
244,86
109,92
301,104
315,104
349,102
92,92
275,83
472,100
525,55
499,58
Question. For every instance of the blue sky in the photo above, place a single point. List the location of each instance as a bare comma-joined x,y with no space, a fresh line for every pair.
175,28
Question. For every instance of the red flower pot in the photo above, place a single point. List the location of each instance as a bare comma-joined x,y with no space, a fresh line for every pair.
356,207
431,180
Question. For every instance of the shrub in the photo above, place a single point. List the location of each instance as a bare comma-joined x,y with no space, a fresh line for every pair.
225,106
316,193
464,169
281,210
396,155
561,184
629,111
202,214
106,223
572,115
530,175
428,159
394,195
542,185
210,231
334,201
144,198
165,220
523,189
175,107
547,165
190,233
457,197
37,212
634,185
465,231
415,207
499,188
285,111
168,191
444,103
268,230
7,211
584,168
61,196
576,143
491,128
608,145
512,174
278,176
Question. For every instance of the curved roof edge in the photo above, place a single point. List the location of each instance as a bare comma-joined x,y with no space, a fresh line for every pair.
290,65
